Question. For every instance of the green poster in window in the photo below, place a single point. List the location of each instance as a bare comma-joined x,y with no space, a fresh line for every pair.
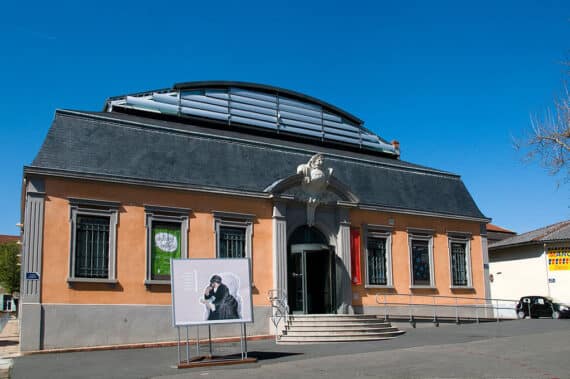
165,245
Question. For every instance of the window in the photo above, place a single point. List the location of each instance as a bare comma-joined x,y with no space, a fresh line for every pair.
378,256
234,232
459,259
232,242
93,237
421,258
167,238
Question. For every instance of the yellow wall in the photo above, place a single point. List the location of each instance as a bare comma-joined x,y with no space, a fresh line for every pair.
131,244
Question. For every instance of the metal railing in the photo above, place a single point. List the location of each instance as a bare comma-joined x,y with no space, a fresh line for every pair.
280,309
449,308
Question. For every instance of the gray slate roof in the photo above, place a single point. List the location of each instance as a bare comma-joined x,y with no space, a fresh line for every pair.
128,147
551,233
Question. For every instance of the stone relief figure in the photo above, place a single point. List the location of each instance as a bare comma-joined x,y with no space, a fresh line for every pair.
315,181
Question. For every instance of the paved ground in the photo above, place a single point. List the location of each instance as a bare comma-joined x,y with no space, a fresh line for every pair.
513,349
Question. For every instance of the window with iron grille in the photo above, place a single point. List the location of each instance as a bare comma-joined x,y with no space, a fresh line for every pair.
93,240
421,262
459,264
377,261
234,233
232,242
92,247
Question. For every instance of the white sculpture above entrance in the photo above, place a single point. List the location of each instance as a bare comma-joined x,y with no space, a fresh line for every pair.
315,182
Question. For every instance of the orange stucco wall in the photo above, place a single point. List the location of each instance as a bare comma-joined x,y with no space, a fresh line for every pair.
131,240
401,259
131,244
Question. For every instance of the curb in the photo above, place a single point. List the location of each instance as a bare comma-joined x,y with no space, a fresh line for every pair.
143,345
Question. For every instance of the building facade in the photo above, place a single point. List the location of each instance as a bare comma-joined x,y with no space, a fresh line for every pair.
325,209
532,263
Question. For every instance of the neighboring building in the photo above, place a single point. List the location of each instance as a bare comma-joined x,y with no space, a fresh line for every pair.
325,209
532,263
8,239
496,233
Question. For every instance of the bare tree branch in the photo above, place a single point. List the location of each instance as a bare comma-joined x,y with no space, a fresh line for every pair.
549,139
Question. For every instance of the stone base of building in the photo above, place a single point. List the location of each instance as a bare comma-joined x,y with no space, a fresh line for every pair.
66,326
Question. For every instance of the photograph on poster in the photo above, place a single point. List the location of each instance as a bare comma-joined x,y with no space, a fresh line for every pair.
211,291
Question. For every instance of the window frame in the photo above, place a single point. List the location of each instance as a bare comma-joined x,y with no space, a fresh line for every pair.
384,232
415,234
234,220
464,238
154,213
97,208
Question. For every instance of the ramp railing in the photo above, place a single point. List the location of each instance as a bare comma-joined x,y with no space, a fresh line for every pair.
437,308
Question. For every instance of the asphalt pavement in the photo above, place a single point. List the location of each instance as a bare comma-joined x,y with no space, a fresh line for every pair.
509,349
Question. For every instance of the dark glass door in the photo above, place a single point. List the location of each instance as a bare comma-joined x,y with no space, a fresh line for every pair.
311,282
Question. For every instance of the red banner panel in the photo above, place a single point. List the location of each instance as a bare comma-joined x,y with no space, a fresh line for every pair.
355,256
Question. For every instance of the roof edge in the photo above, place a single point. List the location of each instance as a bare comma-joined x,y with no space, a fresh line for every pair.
414,168
34,170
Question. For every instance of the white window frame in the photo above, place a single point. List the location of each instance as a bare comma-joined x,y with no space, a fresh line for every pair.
234,220
415,234
98,208
154,213
464,238
378,231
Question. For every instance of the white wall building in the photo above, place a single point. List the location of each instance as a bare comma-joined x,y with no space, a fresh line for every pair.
532,263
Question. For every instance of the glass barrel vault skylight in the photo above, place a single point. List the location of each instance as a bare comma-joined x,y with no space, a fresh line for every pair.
238,106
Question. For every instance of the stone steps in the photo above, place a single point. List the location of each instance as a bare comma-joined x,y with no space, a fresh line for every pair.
336,328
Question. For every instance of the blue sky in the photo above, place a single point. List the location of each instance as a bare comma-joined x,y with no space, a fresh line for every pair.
452,81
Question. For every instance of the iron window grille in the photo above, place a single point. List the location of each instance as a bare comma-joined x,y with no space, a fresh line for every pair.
377,261
421,257
233,235
460,258
378,250
232,242
93,240
92,247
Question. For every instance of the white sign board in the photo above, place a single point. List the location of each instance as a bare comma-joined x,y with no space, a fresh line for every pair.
211,291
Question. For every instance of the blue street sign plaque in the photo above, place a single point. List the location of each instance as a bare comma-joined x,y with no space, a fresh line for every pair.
32,276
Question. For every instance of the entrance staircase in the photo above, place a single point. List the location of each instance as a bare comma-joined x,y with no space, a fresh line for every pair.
336,328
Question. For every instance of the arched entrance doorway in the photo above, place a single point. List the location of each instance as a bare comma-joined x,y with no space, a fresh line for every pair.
310,276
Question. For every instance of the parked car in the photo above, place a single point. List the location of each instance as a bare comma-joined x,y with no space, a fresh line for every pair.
541,306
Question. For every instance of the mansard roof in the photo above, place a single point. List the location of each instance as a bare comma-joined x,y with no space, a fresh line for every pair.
140,149
251,106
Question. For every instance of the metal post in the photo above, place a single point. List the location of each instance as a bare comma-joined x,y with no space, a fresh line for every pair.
187,346
456,312
241,339
245,338
528,306
178,330
412,321
497,307
198,340
385,309
435,322
477,312
210,338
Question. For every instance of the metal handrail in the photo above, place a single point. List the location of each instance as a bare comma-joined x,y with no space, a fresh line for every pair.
280,308
486,304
